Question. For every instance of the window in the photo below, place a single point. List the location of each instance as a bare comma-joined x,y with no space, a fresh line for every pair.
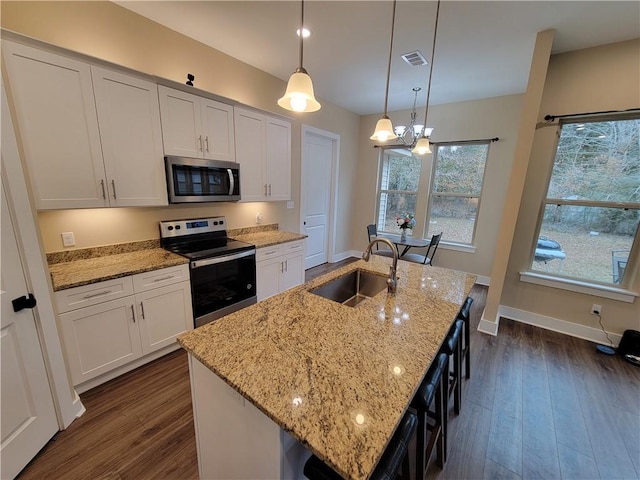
399,178
455,194
590,215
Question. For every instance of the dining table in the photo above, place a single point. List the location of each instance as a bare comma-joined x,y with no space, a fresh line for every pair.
406,243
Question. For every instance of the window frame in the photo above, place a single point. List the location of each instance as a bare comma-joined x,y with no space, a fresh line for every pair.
379,191
618,291
464,246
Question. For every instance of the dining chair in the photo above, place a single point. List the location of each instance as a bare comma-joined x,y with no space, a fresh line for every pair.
372,231
427,258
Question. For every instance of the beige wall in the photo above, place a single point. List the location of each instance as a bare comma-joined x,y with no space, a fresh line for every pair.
488,118
595,79
109,32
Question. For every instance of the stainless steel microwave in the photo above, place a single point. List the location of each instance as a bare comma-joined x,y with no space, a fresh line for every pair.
201,180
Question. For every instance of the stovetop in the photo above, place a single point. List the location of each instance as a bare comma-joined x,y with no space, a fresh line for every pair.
199,238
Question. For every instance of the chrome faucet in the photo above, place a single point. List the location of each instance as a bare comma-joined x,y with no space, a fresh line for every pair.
392,281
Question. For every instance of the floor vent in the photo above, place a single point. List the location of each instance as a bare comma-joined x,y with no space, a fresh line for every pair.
415,59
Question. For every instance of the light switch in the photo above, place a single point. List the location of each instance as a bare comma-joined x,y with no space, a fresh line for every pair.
290,204
68,240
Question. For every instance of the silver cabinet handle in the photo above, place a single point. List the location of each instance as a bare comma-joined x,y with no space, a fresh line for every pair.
281,267
99,294
142,309
200,140
265,189
206,139
269,189
133,314
113,185
104,194
286,265
162,279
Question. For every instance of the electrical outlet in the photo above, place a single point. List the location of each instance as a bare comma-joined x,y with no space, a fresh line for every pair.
258,218
68,240
596,309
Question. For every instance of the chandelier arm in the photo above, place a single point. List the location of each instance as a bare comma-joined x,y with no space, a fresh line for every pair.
433,53
393,22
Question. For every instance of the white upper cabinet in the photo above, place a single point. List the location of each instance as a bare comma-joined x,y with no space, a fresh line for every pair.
58,125
194,126
129,121
263,150
91,136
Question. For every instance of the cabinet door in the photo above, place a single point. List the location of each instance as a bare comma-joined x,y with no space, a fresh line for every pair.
278,158
181,123
250,154
56,113
164,314
129,120
217,130
293,265
100,338
268,274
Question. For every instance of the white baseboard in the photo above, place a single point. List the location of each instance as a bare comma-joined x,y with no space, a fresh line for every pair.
483,280
344,255
489,326
592,334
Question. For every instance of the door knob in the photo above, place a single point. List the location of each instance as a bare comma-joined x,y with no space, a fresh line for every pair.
23,302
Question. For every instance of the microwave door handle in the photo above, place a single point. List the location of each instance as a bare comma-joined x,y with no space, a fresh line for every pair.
232,183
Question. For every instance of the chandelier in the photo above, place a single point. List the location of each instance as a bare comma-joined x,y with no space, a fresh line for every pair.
410,134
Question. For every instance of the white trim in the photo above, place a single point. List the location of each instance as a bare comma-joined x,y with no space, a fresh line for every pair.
458,247
561,326
333,194
483,280
344,255
604,291
68,407
489,326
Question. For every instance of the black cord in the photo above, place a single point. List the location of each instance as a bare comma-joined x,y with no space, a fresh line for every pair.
605,332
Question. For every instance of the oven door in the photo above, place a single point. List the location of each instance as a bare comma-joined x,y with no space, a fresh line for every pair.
200,180
222,285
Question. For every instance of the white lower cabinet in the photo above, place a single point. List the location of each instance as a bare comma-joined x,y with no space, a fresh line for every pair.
279,268
105,336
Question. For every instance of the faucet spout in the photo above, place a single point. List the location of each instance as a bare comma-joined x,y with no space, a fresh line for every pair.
392,281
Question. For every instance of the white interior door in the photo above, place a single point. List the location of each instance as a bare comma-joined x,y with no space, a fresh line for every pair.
319,158
28,417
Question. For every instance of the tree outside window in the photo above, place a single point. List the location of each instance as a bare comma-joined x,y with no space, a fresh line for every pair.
398,188
455,193
591,212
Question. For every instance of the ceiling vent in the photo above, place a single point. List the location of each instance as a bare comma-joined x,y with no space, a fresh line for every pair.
415,59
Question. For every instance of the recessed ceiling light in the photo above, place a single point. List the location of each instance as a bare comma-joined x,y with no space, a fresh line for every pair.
305,32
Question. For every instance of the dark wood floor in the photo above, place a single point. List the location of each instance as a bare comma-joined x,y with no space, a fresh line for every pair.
538,405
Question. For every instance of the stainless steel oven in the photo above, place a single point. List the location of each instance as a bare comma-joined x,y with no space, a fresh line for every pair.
200,180
223,270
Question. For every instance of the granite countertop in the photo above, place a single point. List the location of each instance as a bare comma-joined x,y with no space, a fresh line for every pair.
341,396
84,271
269,238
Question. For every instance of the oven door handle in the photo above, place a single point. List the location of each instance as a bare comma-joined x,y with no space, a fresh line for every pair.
232,183
222,259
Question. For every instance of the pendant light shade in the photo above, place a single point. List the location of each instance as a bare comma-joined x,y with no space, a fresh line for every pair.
422,146
384,128
299,95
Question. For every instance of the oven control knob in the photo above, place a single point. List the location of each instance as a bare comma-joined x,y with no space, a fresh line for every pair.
169,227
215,223
177,227
249,286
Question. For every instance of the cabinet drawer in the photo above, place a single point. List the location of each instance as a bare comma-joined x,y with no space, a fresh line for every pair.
291,247
78,297
159,278
266,253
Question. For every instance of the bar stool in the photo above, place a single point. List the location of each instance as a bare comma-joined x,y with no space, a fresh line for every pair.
452,346
433,388
464,315
393,457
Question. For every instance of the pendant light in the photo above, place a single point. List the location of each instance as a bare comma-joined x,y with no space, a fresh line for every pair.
422,146
384,128
299,95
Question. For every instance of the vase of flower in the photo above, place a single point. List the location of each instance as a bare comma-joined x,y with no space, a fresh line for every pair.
405,222
403,234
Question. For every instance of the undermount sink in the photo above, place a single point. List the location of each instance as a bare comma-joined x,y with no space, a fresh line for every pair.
353,288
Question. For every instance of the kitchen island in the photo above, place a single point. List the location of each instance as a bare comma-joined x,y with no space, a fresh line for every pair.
313,373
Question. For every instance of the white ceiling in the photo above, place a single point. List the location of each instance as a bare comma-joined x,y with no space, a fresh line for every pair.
483,48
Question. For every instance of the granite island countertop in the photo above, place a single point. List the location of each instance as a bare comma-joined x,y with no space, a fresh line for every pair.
337,378
269,238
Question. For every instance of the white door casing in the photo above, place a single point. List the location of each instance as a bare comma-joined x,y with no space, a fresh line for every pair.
28,412
319,167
